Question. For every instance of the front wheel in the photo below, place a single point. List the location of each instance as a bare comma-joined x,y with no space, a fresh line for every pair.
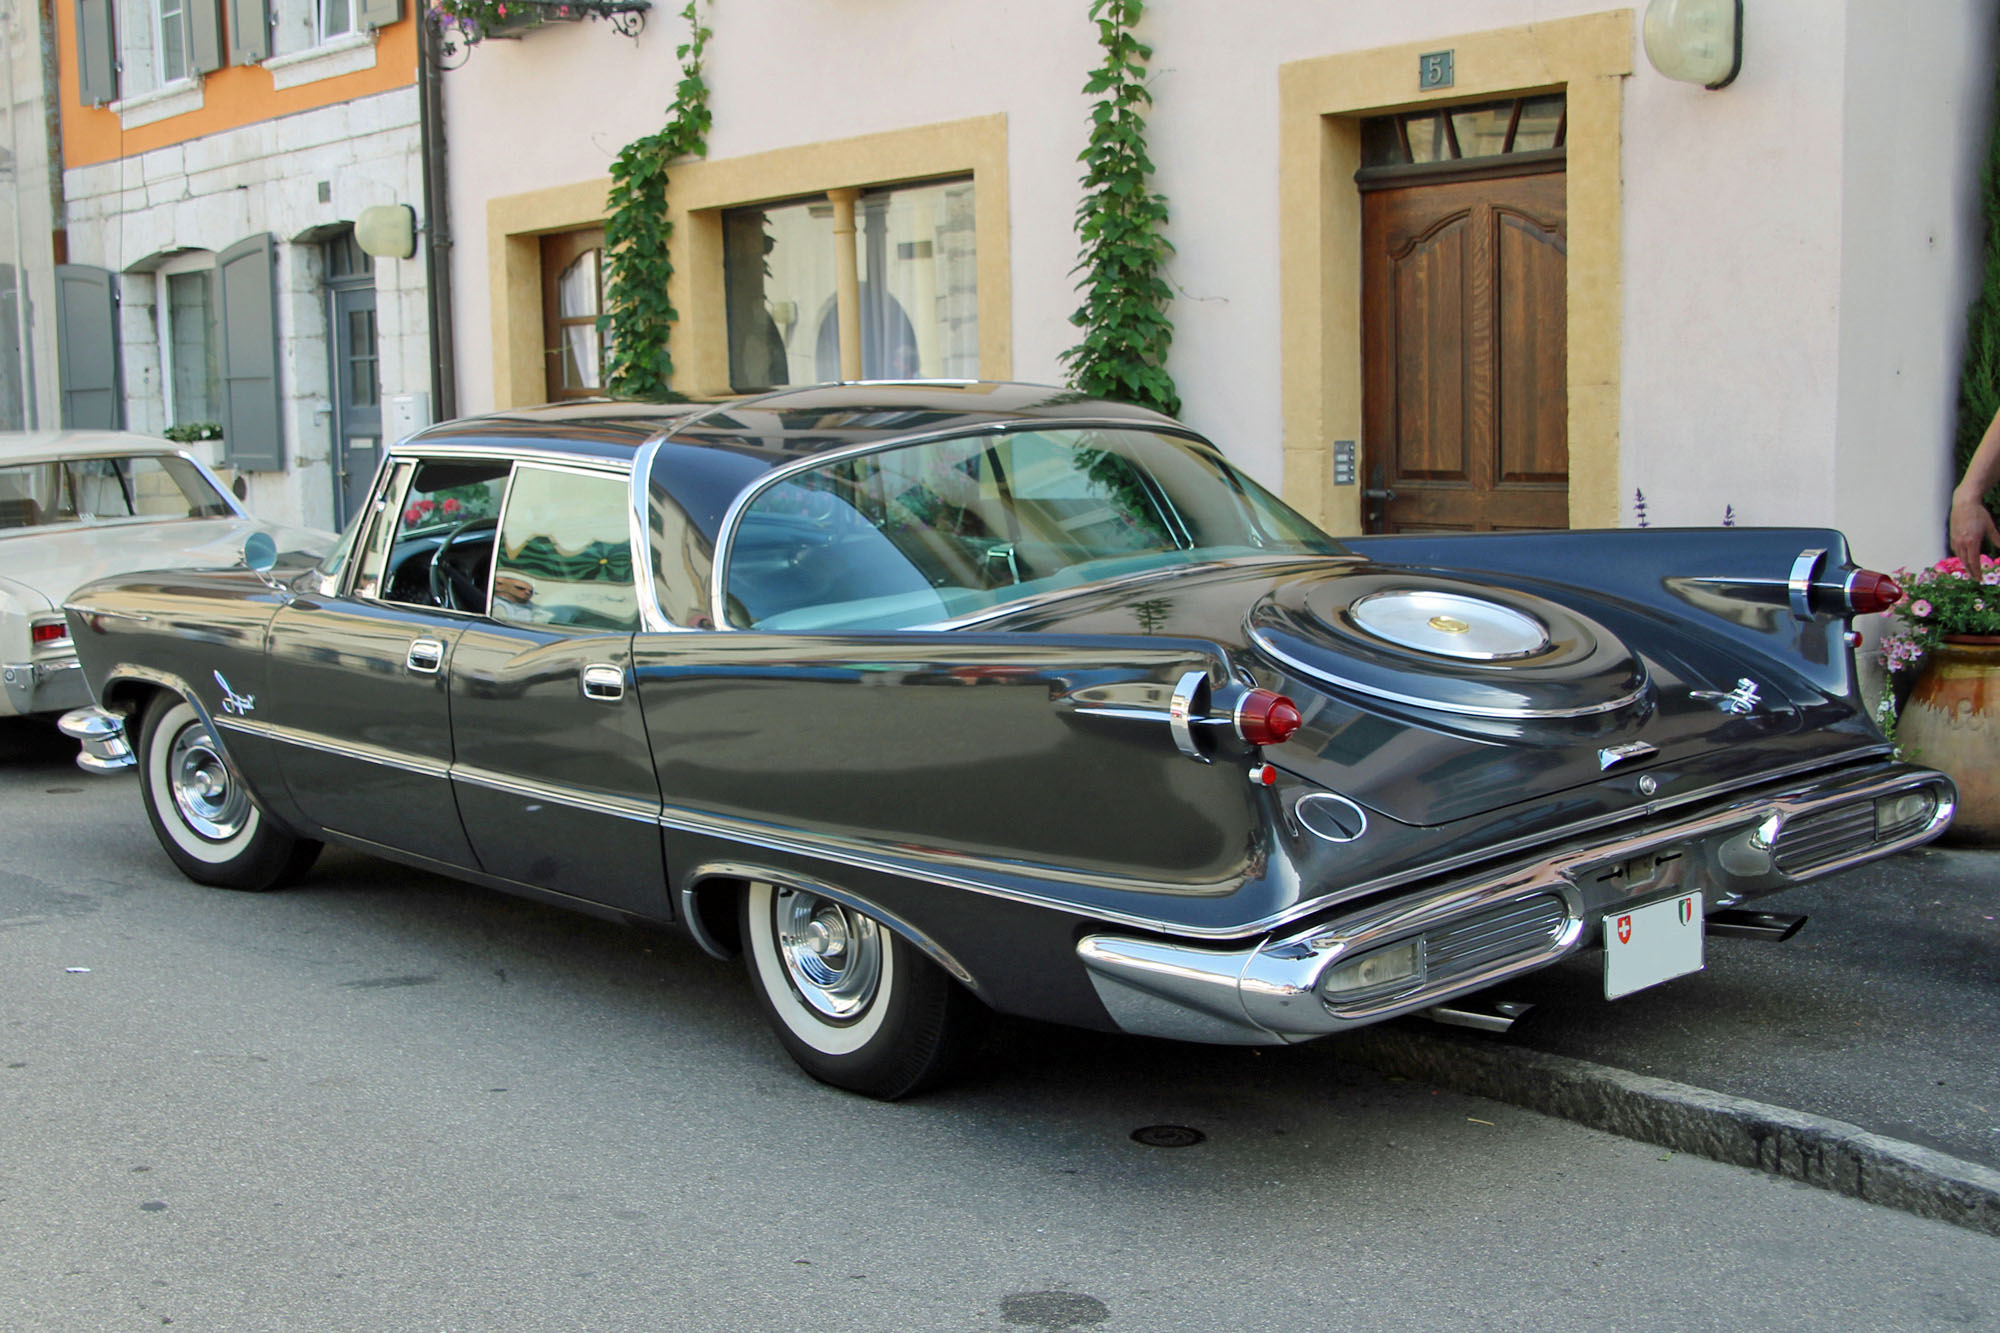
856,1005
201,811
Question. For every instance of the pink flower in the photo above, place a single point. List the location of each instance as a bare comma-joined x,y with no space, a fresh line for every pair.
451,505
1951,564
1920,608
411,516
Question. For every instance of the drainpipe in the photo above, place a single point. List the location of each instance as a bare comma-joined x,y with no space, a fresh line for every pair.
437,219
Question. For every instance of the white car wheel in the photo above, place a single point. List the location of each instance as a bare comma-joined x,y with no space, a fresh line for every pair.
201,811
857,1005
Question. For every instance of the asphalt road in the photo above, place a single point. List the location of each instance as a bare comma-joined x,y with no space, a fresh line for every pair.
385,1101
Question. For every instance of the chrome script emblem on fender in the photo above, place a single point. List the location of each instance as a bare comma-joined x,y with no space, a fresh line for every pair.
232,702
1618,754
1742,699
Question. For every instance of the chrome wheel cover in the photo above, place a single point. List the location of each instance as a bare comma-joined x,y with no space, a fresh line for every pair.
831,953
210,800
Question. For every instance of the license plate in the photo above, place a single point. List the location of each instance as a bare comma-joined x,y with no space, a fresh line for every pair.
1650,944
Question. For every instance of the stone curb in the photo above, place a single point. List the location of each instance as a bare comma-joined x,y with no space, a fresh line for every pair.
1830,1154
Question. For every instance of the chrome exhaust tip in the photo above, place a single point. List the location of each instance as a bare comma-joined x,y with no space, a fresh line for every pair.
1755,925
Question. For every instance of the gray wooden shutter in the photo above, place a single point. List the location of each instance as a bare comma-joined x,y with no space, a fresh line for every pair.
87,347
380,13
96,53
249,31
252,424
204,21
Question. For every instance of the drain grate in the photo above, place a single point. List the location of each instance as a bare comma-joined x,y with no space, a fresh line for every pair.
1168,1136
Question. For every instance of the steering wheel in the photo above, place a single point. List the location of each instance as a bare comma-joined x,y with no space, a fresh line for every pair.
451,586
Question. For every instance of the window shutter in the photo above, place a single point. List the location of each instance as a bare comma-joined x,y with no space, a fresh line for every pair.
87,348
380,13
96,53
249,31
252,423
204,22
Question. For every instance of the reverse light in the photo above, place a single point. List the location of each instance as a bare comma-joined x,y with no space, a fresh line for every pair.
51,631
1387,971
1265,717
1903,813
1869,592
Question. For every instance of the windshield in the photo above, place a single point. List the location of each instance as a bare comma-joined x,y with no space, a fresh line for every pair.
77,490
945,528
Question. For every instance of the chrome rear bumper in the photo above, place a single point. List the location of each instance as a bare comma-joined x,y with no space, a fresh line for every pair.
1481,930
101,733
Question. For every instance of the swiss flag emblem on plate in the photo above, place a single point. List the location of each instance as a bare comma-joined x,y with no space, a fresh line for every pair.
1646,945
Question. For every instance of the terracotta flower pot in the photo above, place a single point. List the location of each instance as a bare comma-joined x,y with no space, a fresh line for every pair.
1952,722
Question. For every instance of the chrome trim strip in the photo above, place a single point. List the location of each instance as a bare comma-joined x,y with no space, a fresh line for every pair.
652,618
618,807
1264,645
1180,710
415,448
725,536
1799,586
369,754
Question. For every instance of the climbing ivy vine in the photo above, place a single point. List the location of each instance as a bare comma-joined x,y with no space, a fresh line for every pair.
1120,223
637,313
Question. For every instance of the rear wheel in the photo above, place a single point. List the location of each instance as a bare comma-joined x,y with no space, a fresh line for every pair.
201,811
854,1003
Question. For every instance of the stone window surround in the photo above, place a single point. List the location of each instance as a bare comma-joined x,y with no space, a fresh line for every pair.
702,191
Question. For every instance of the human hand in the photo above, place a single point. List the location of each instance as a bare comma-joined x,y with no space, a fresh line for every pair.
1971,527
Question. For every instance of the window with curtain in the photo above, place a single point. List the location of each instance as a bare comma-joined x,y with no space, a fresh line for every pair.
916,286
572,299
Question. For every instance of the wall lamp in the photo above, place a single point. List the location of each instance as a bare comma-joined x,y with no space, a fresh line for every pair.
387,231
1695,41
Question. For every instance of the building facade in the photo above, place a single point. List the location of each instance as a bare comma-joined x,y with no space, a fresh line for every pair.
1480,250
216,154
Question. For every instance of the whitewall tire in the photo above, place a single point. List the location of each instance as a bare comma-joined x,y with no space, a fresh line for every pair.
202,813
856,1004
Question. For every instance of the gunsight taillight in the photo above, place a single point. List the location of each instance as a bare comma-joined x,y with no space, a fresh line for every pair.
1869,592
1265,717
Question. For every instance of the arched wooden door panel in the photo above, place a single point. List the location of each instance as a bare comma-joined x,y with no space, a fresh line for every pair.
1465,397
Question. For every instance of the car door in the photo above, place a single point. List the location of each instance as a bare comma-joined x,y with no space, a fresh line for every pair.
552,770
357,681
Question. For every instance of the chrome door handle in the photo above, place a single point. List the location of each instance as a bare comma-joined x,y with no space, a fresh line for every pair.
603,682
426,656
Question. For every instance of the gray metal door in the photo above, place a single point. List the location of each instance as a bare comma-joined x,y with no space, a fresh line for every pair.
357,397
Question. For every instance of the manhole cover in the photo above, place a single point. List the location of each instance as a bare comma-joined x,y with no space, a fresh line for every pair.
1168,1136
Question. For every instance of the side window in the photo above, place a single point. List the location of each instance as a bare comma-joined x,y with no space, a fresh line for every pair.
565,552
438,537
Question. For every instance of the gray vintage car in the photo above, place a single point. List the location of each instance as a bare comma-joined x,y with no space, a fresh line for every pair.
76,506
933,699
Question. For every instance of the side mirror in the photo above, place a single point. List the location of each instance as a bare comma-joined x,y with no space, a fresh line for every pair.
260,552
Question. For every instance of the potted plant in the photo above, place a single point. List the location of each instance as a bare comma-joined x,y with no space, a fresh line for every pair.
1946,647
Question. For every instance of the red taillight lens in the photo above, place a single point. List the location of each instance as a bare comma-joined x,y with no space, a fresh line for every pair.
1266,717
55,631
1869,592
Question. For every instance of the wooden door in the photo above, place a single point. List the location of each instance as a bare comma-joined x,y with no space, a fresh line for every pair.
1465,399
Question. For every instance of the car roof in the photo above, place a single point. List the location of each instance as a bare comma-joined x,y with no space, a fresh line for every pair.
779,427
35,446
711,452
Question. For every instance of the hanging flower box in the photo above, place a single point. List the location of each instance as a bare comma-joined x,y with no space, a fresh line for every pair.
462,23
